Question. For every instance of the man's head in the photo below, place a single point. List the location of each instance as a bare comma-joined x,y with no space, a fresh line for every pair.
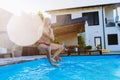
47,22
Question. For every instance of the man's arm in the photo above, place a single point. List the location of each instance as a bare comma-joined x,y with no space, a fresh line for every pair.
42,42
52,37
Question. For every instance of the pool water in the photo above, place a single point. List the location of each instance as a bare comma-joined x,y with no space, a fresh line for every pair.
70,68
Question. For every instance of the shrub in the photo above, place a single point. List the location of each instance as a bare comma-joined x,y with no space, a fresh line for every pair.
88,47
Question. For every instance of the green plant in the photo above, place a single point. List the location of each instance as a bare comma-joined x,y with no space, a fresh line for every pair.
88,47
81,41
56,41
41,15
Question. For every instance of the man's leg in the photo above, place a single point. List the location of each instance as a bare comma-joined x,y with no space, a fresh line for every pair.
51,60
47,48
59,48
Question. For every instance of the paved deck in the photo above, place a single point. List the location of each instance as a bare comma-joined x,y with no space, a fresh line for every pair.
7,61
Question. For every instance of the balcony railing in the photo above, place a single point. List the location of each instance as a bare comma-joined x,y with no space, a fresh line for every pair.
110,23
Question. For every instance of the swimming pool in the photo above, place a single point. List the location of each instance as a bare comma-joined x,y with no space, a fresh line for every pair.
70,68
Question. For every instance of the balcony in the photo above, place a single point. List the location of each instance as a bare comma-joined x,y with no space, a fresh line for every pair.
110,23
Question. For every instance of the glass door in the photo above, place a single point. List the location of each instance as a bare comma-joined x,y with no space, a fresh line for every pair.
98,42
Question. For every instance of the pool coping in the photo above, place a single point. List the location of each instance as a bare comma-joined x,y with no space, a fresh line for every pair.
15,60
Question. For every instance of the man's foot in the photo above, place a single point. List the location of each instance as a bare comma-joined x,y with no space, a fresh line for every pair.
54,64
52,60
58,58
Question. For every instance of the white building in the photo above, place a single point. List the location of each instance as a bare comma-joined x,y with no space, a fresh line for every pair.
101,27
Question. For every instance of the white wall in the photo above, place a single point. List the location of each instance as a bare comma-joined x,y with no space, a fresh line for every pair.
53,19
4,18
109,13
75,15
111,30
4,40
94,31
69,39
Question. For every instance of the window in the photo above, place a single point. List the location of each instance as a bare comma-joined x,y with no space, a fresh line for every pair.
63,18
112,39
92,18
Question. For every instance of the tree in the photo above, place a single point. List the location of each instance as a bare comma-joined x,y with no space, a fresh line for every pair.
41,15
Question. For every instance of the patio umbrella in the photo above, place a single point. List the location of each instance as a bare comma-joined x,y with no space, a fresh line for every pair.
25,30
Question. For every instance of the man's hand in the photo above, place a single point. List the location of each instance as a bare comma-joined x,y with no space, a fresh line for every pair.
46,43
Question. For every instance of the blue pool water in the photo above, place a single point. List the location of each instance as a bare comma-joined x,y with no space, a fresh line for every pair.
70,68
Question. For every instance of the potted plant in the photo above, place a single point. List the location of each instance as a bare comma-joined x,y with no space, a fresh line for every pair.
81,44
81,41
56,41
88,48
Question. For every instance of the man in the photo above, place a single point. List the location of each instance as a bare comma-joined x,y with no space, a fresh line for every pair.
46,42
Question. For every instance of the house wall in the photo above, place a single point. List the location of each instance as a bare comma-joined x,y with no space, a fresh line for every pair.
90,31
111,30
109,13
98,30
94,31
69,39
102,30
4,40
4,18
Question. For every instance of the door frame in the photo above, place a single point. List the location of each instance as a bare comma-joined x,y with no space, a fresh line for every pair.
100,40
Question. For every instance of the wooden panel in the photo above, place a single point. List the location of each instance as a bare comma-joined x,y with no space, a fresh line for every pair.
66,29
29,51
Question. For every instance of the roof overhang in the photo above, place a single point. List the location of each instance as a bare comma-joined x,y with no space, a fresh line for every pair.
116,4
60,30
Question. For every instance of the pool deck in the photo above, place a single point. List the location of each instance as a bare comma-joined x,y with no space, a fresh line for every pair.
14,60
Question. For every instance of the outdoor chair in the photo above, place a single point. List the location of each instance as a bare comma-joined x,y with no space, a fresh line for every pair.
72,49
4,53
16,51
82,51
